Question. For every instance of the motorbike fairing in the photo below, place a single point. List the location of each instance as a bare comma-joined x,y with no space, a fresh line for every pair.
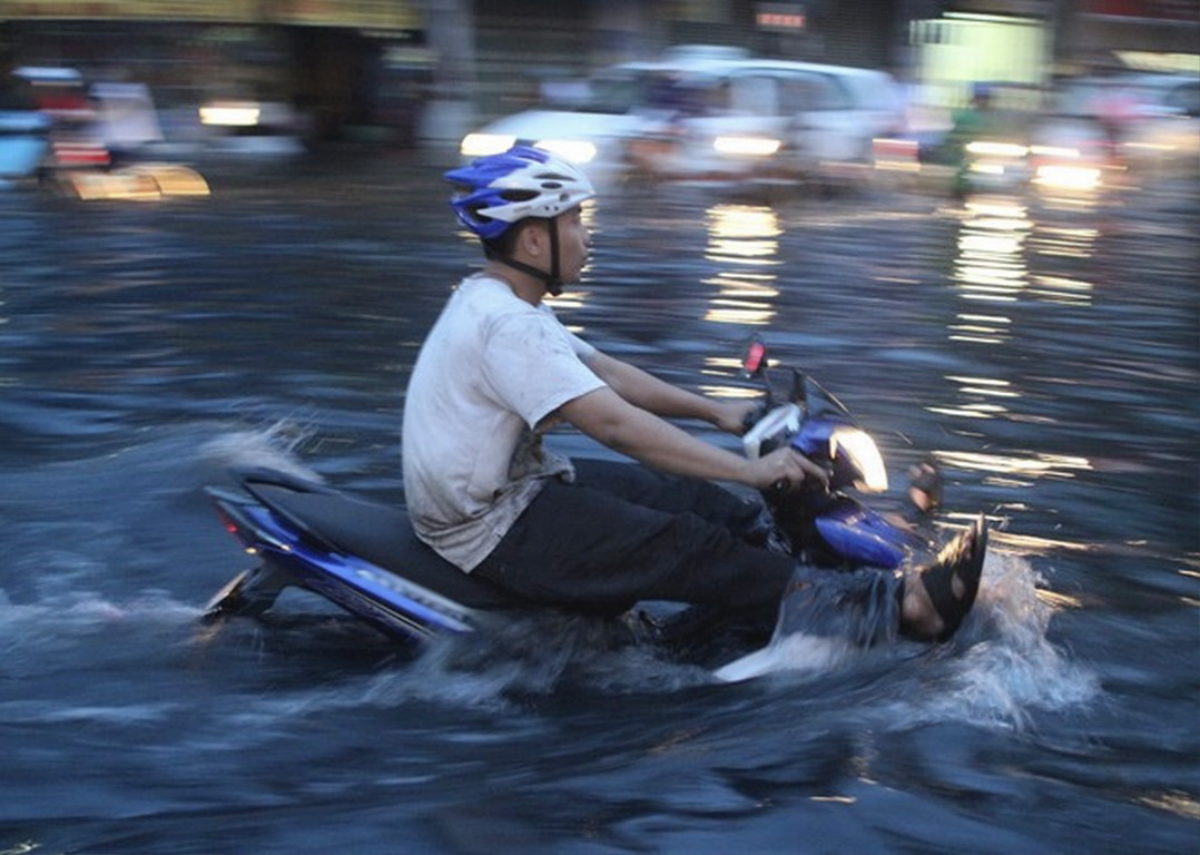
861,536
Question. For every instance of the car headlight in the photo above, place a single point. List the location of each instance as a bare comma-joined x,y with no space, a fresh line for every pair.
861,450
482,145
1055,151
986,148
231,114
1066,177
576,151
747,146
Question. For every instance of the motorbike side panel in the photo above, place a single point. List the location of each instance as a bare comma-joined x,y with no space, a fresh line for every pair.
393,604
862,536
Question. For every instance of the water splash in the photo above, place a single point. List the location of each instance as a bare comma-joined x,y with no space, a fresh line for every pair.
1002,666
534,657
87,625
796,652
999,668
1009,666
273,446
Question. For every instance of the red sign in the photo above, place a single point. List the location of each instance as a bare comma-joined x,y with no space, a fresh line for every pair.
779,16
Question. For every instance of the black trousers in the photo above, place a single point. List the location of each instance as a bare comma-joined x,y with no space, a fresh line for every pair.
622,533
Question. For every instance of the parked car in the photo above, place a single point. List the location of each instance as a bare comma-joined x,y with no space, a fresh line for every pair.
714,115
1149,120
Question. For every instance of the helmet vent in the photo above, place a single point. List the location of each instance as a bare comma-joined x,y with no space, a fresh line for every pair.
518,195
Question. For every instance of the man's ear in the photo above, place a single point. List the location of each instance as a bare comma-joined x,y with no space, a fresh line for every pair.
532,239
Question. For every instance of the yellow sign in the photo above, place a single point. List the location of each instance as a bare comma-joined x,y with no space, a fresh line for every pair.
384,14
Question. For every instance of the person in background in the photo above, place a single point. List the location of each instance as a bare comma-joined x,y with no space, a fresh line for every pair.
975,121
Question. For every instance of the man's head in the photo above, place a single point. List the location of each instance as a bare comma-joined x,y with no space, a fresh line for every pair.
981,95
499,196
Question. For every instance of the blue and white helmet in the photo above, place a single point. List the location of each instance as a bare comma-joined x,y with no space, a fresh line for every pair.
501,189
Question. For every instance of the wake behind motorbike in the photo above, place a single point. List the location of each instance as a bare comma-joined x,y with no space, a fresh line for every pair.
364,556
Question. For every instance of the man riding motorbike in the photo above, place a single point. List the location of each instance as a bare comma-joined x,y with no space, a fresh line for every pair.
594,535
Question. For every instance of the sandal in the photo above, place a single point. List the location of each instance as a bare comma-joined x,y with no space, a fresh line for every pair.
961,558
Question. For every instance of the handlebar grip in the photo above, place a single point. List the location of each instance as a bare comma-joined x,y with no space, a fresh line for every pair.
754,416
776,491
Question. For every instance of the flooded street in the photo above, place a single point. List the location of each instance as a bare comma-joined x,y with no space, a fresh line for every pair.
1044,349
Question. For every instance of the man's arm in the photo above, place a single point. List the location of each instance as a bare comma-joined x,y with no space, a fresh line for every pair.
617,423
647,392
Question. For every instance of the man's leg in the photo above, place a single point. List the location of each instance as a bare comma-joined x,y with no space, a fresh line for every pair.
617,536
745,517
582,546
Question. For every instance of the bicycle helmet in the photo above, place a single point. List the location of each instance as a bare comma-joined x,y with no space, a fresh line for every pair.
501,189
497,191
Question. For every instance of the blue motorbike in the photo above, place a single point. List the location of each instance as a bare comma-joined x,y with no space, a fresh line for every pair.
364,556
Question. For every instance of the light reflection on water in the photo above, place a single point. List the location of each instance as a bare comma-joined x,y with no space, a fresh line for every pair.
990,265
999,246
743,241
998,239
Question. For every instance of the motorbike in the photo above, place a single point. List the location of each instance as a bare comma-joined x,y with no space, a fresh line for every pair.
364,556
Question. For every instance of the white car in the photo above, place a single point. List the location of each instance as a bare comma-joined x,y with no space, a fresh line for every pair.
592,127
710,114
1155,118
780,120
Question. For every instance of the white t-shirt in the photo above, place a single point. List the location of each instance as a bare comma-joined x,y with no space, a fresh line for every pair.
492,368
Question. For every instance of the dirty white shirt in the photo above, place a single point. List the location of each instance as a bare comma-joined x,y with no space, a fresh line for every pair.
491,370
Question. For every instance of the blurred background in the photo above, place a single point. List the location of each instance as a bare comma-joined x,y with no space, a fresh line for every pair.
112,79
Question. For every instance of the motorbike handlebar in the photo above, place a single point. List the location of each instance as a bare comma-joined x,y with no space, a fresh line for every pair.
778,491
755,416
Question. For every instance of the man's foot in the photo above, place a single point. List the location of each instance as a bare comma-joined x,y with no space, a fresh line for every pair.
925,485
939,597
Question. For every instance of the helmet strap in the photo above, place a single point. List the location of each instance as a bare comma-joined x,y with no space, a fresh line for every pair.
554,283
551,280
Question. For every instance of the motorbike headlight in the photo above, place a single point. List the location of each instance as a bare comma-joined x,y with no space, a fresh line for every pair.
862,452
741,146
482,145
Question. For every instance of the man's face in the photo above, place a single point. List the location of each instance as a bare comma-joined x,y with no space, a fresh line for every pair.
573,242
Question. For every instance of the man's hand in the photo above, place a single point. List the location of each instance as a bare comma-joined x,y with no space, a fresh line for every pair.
783,465
730,416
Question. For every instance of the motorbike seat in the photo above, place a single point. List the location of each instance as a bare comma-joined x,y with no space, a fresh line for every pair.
380,534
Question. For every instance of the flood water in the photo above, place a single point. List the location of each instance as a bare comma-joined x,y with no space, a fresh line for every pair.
1044,350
